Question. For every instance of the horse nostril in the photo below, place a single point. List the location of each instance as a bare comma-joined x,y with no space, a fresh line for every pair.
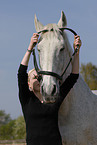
54,90
49,91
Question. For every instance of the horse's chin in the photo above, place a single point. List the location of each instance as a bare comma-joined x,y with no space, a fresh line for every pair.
49,100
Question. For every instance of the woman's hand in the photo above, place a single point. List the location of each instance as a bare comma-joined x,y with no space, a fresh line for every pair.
34,40
75,65
77,43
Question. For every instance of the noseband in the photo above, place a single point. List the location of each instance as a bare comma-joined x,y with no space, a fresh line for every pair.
39,72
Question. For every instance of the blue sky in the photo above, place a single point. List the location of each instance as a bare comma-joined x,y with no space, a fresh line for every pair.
17,27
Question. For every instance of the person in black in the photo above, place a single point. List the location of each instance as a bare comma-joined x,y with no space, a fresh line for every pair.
42,118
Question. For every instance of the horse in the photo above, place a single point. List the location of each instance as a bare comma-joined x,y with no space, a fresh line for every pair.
78,112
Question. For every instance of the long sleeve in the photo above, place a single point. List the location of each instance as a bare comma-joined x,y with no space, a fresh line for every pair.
23,84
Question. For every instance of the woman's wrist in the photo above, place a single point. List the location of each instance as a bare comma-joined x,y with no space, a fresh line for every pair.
30,48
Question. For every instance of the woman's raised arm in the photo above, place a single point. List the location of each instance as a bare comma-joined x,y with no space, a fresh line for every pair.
34,39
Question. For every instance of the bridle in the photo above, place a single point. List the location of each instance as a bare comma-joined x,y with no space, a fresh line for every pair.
39,72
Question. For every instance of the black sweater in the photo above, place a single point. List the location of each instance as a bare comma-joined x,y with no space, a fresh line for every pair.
41,119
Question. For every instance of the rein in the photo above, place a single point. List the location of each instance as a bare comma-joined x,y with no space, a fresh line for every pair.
39,72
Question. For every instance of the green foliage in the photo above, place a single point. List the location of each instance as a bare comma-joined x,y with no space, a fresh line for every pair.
6,131
4,118
89,73
19,128
11,129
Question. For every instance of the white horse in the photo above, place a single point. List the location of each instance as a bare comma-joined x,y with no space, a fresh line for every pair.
78,112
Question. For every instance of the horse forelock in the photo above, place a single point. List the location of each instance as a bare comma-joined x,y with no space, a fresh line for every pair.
56,32
52,31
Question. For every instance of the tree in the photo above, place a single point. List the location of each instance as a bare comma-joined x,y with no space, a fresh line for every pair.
4,118
14,129
11,129
19,128
89,73
6,131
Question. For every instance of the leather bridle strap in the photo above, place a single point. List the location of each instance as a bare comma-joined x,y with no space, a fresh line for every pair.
44,72
48,72
69,30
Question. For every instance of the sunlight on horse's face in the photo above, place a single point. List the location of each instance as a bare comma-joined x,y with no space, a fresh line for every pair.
51,49
54,53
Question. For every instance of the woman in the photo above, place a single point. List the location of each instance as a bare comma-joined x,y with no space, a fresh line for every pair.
42,119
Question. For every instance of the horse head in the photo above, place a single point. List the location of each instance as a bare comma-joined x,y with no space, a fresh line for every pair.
54,52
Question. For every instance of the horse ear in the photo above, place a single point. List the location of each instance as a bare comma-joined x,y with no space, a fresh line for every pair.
38,25
62,22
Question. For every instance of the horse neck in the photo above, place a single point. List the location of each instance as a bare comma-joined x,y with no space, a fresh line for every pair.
81,95
80,87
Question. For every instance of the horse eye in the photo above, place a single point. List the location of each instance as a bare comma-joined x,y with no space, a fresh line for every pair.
62,49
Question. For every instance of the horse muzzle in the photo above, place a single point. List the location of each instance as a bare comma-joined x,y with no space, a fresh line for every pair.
50,92
49,100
